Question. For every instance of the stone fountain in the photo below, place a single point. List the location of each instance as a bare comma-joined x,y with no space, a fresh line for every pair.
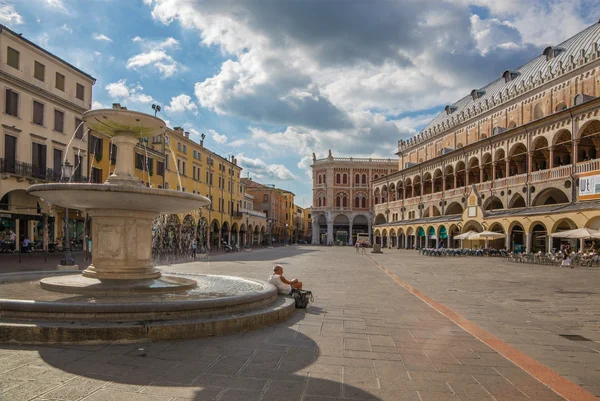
121,295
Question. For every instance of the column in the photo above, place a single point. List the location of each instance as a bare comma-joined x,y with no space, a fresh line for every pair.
548,244
454,176
329,232
350,232
370,229
466,177
528,242
508,174
529,161
507,242
582,244
432,185
316,230
18,234
551,157
481,173
493,172
437,242
575,154
219,239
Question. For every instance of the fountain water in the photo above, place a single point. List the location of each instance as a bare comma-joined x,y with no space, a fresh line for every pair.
121,295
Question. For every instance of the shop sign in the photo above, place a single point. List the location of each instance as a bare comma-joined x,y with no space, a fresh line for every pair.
589,186
5,216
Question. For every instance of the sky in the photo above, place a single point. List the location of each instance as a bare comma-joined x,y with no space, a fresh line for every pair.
274,81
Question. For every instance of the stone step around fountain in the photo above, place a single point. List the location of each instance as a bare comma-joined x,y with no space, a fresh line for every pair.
48,332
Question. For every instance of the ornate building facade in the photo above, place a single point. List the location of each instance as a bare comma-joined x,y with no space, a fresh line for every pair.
520,156
342,196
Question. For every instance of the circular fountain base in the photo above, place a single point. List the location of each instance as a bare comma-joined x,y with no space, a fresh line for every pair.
214,305
79,284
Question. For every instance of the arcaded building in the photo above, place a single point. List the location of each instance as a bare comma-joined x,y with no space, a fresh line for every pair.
342,196
519,156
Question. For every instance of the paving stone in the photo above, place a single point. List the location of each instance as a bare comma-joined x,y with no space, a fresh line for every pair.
230,382
28,389
436,396
116,395
283,391
323,384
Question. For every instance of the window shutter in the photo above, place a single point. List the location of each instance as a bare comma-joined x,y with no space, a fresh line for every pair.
59,121
60,81
39,71
38,113
12,58
43,149
79,92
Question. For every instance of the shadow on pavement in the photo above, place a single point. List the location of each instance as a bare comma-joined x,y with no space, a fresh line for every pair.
275,363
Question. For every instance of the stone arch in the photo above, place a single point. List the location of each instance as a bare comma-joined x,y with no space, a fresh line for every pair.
493,203
540,154
449,173
427,183
341,219
409,188
392,191
539,236
594,223
486,165
500,160
511,125
321,220
472,225
560,107
435,211
345,179
454,208
377,233
563,148
538,111
460,172
474,170
589,141
417,186
565,224
338,178
438,181
517,201
399,190
550,196
380,219
517,159
377,195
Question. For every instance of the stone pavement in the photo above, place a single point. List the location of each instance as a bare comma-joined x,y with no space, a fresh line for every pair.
526,306
365,338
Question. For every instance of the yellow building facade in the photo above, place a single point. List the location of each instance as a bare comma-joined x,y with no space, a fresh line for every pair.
520,156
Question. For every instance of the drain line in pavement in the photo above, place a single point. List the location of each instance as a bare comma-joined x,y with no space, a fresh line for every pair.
557,383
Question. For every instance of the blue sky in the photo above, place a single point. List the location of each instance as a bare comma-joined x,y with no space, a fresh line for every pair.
274,81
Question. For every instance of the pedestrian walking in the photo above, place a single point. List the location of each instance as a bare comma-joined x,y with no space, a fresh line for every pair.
194,246
357,246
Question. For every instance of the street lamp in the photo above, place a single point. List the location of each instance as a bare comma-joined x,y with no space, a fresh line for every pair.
67,259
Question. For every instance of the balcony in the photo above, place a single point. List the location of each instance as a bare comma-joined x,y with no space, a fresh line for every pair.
237,215
252,212
588,166
23,170
553,174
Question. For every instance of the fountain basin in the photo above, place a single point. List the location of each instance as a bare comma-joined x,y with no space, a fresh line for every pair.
112,122
122,197
218,305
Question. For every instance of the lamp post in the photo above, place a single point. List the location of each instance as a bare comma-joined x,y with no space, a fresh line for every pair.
247,231
67,259
285,234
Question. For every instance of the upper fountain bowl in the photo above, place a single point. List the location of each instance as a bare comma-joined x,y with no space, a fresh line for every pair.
111,122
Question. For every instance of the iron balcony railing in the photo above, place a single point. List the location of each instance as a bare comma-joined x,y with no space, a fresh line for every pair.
31,171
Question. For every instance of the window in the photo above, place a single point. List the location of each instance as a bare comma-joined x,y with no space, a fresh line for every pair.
179,146
265,197
12,58
139,161
60,81
10,153
77,167
57,162
78,128
150,163
96,147
38,113
160,168
211,179
12,103
194,172
184,149
364,203
364,178
337,178
357,179
113,153
96,175
38,160
357,202
182,172
39,71
194,154
59,121
80,92
345,179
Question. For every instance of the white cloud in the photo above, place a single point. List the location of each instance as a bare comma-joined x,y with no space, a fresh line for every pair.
66,28
218,138
97,105
155,54
9,15
57,5
43,39
102,37
131,93
304,164
182,103
262,171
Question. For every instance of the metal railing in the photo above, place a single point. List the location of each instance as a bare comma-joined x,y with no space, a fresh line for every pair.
31,171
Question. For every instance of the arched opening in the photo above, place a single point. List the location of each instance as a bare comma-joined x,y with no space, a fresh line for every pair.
377,196
474,171
438,181
384,238
538,111
454,231
338,178
512,125
341,225
435,211
517,160
384,194
225,233
410,238
493,203
188,233
449,177
516,202
496,243
360,225
409,188
550,196
454,208
202,234
486,165
322,227
380,219
417,186
563,149
589,143
393,238
235,239
392,193
320,180
431,237
500,160
357,179
560,107
421,238
566,225
364,179
460,174
345,179
539,238
517,238
442,237
540,155
427,184
400,191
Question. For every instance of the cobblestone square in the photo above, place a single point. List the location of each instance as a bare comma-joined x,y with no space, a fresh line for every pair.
368,336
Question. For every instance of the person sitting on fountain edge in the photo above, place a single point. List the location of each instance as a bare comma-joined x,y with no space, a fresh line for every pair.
283,286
